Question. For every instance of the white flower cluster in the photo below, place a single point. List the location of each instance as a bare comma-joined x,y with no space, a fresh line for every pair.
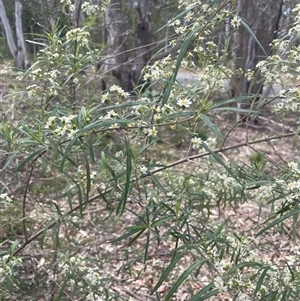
81,176
288,189
89,8
159,70
6,268
62,126
88,280
5,197
285,64
220,183
212,79
79,35
119,91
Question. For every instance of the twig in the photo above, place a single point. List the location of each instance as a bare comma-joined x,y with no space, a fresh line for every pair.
175,163
24,201
130,293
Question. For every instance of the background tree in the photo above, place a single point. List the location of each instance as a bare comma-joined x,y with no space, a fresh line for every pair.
15,43
129,46
262,17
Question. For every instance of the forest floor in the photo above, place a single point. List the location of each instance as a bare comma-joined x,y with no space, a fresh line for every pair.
133,280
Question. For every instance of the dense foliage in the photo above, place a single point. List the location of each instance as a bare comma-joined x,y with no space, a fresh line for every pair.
99,185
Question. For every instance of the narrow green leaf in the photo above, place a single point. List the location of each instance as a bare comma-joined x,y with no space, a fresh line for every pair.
137,236
126,235
211,4
167,271
220,161
88,177
162,220
242,265
260,280
7,162
205,293
279,220
186,44
106,166
29,158
183,277
210,124
47,226
79,192
91,149
147,247
123,200
68,149
232,100
253,36
57,208
163,204
62,288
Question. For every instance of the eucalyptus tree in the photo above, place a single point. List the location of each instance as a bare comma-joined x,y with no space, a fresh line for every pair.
16,43
137,35
251,41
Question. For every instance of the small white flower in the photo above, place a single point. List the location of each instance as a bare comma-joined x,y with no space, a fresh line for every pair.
152,132
72,133
197,142
143,169
184,103
235,22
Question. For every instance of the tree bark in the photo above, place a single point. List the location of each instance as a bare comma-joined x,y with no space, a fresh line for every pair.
8,31
263,17
17,50
21,58
122,39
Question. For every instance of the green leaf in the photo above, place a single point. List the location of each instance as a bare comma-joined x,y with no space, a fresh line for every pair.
29,158
122,202
63,287
209,123
137,235
88,177
253,36
106,166
7,161
91,149
232,100
260,280
242,265
211,4
220,161
47,226
279,220
205,293
185,46
162,221
167,271
183,277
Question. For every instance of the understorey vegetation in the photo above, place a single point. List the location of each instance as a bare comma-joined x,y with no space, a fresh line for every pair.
107,194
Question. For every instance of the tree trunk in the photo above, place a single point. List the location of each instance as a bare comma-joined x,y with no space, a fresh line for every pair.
8,31
21,58
18,51
262,16
126,44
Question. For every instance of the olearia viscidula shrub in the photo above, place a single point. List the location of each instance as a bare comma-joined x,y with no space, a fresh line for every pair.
88,170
